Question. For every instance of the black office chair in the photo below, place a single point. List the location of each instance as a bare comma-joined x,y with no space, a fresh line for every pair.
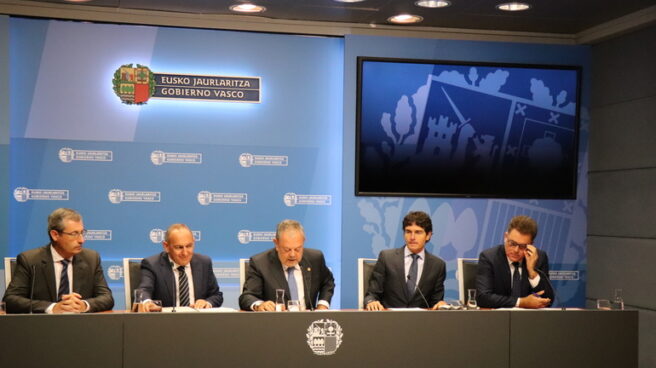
466,275
10,266
131,278
365,268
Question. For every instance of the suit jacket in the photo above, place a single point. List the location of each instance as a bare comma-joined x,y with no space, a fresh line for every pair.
388,281
158,281
493,279
35,267
265,275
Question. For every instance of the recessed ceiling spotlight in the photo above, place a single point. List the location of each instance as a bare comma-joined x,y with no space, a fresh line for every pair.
405,19
247,8
513,6
433,3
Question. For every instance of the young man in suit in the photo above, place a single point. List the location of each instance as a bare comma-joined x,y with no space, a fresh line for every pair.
409,276
62,276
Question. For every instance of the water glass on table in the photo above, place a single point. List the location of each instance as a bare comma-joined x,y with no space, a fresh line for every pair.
280,300
471,299
603,304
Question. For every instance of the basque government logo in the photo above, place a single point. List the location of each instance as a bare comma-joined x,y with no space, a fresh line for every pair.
68,155
136,85
115,272
324,336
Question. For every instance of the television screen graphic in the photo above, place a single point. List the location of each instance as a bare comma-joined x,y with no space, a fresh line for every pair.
467,130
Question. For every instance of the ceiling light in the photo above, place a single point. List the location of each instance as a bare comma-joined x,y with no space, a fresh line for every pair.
405,19
433,3
513,6
349,1
247,8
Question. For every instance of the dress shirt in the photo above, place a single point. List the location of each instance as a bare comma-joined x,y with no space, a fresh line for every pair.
298,276
56,260
407,257
534,282
190,281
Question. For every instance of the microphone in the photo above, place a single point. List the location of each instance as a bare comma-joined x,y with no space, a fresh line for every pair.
175,290
420,293
552,288
32,287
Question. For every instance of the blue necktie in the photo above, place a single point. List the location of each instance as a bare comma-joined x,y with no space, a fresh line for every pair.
412,276
517,281
63,280
291,280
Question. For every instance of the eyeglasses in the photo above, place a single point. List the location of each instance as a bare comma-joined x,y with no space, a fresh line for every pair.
75,234
514,244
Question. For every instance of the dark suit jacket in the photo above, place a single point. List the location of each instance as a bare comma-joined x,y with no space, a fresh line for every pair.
265,275
388,280
88,281
158,282
493,280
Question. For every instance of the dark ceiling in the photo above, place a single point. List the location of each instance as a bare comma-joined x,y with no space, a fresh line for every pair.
545,16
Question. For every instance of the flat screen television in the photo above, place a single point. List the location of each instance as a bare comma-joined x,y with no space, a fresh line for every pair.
464,129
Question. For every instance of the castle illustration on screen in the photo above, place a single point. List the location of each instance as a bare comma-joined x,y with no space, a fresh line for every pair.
471,130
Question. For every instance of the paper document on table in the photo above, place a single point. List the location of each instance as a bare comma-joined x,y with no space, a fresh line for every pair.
194,310
405,309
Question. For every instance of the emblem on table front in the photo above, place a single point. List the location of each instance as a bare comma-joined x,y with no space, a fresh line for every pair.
324,336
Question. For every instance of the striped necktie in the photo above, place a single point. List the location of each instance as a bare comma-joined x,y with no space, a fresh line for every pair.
183,287
63,280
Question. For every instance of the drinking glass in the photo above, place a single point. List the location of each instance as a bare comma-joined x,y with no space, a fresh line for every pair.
618,300
471,299
603,304
293,306
280,300
137,300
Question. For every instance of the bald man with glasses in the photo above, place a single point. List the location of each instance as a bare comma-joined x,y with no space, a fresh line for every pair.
514,273
62,276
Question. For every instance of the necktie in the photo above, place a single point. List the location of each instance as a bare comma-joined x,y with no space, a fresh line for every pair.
291,280
183,287
517,281
63,280
412,276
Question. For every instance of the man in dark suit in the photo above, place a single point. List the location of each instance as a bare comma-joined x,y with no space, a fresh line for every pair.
178,276
61,277
393,282
301,272
514,274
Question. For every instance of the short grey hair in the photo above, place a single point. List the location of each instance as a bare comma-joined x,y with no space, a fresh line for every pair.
57,217
285,225
174,227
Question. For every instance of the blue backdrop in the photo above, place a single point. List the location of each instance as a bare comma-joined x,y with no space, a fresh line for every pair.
73,143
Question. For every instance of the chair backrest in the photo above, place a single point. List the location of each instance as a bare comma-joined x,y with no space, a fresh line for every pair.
10,265
131,278
466,275
365,268
243,265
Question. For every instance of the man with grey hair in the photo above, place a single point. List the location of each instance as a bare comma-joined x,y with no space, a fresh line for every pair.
62,276
300,271
178,276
